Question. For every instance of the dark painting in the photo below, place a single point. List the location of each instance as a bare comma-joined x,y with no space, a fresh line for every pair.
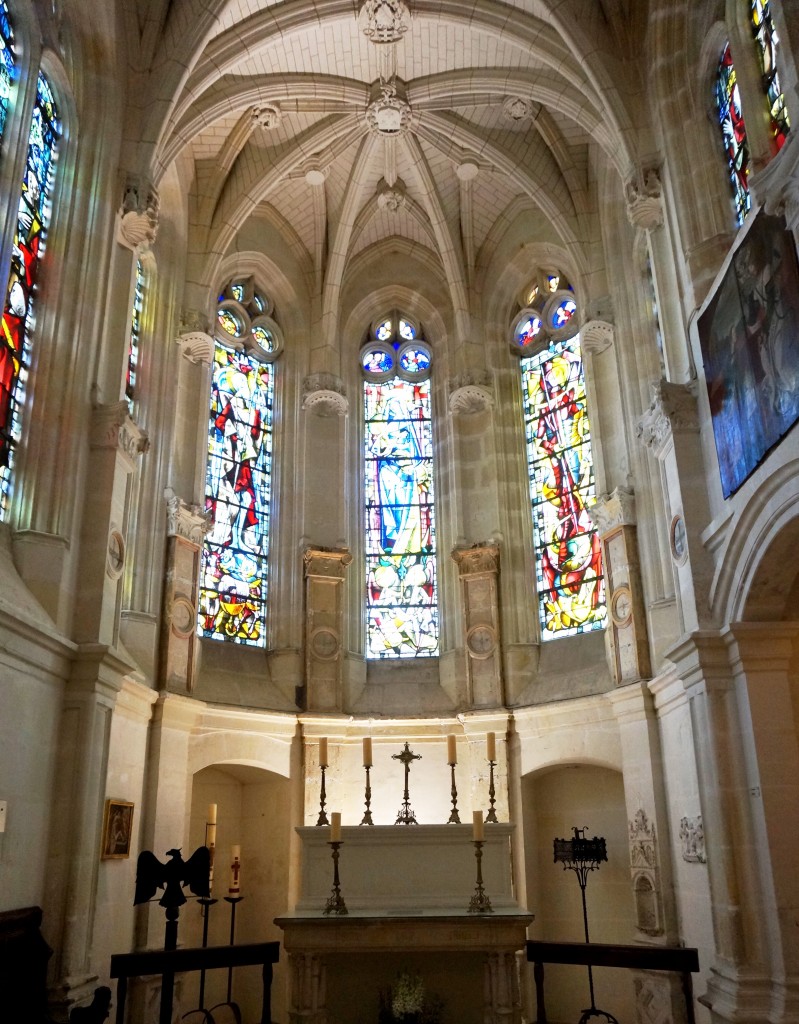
750,348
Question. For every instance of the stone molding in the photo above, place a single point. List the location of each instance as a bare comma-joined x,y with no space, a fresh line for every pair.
189,522
384,21
112,427
324,395
610,511
596,336
137,224
692,840
197,347
471,393
326,563
777,185
479,558
644,195
673,410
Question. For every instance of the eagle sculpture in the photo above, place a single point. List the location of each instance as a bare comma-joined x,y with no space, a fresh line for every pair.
151,874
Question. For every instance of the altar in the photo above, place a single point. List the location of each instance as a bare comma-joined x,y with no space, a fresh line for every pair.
407,891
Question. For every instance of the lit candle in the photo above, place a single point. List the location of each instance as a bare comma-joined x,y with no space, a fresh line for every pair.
491,746
235,871
478,832
452,749
335,827
323,752
367,751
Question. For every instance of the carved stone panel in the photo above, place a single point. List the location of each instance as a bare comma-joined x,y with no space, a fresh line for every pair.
692,838
186,527
325,572
645,871
478,568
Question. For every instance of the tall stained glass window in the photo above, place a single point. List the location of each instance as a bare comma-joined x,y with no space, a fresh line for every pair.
767,44
8,68
401,600
28,249
568,559
135,336
733,132
238,489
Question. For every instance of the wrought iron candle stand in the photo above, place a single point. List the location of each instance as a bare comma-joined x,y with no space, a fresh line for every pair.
335,902
454,817
322,819
582,855
206,904
492,814
367,814
234,902
407,757
479,903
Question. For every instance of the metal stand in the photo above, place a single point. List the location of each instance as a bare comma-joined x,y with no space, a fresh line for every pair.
233,901
322,819
453,818
492,814
206,905
479,903
367,814
406,815
335,902
582,855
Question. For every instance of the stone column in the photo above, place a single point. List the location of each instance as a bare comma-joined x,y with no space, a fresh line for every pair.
502,1000
308,989
478,568
614,518
186,527
325,571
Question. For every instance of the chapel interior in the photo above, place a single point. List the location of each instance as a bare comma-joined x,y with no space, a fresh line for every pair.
398,443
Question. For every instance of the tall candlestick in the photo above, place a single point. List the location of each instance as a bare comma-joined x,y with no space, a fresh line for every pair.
335,827
452,749
478,831
367,752
323,751
491,746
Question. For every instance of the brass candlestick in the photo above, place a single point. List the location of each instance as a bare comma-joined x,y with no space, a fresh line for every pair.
479,903
454,818
367,814
492,814
322,819
335,902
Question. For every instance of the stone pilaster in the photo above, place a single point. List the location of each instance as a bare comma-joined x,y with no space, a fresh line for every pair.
186,528
325,572
478,569
614,517
308,988
501,987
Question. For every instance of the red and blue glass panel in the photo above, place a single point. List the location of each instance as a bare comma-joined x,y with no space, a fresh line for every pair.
733,132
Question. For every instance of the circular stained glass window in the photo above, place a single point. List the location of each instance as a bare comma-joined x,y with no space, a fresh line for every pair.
264,338
407,331
384,330
528,330
414,360
230,322
376,360
563,313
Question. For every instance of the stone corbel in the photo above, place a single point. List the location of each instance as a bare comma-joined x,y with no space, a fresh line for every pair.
323,394
470,393
596,336
672,410
196,344
137,219
112,427
189,522
644,195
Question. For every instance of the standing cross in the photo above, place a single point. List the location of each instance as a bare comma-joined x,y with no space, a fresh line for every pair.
406,757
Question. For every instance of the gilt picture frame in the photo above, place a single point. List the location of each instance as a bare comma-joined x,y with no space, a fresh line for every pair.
117,829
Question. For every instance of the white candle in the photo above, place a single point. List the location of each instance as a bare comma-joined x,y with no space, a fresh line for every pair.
478,832
367,751
235,871
452,749
491,746
335,827
323,752
210,835
211,814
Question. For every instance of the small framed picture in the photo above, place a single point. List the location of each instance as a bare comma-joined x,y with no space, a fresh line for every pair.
117,829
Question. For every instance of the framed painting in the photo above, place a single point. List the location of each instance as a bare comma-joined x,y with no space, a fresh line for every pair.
117,829
749,335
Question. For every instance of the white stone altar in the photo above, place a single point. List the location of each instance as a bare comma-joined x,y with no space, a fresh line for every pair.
407,891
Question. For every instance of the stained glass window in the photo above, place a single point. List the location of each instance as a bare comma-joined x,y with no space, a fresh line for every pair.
234,571
733,132
767,43
7,64
27,251
561,473
135,336
401,598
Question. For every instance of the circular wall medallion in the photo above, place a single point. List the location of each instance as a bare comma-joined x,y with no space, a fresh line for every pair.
184,617
324,644
115,556
481,641
678,539
621,606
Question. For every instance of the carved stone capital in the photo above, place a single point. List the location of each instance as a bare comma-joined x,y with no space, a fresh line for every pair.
189,522
610,511
479,558
197,347
112,427
596,336
673,410
470,393
384,21
777,185
137,224
327,563
324,395
644,195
